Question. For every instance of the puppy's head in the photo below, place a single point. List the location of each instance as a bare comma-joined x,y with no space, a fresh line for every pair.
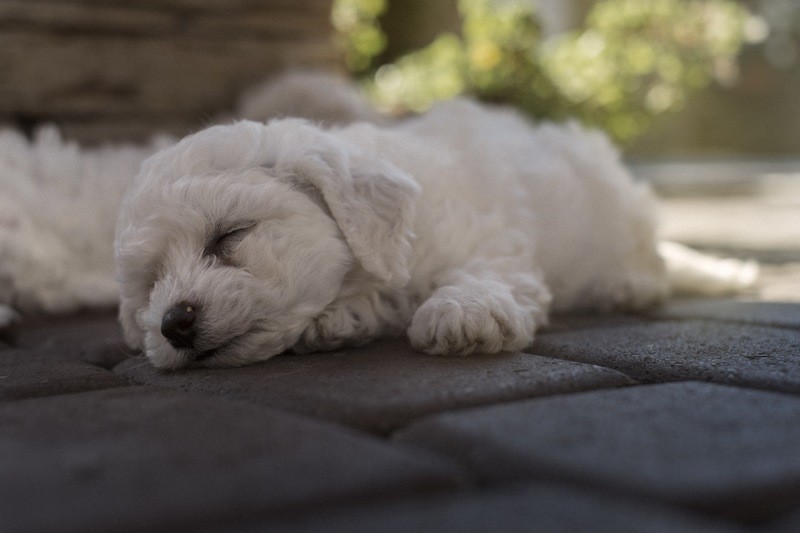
231,242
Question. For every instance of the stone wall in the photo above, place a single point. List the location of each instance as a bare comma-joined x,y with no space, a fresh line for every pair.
121,69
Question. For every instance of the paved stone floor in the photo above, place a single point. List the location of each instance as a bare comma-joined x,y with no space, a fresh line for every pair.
684,419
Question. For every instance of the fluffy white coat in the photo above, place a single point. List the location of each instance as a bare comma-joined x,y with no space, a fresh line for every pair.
58,207
463,228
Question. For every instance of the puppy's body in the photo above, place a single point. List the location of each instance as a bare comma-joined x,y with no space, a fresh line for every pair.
463,228
550,201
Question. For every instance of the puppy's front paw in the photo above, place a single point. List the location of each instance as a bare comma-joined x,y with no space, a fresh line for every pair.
456,321
334,328
349,322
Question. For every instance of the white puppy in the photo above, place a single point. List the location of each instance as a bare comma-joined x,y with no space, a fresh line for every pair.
463,228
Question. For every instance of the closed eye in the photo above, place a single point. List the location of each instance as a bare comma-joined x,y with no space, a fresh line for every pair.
224,244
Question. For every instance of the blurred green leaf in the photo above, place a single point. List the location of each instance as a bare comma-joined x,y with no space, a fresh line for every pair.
359,34
632,61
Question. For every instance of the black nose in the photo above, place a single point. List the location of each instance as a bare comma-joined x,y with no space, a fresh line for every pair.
177,325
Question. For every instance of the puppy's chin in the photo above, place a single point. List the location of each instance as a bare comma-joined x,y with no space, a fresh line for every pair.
251,347
165,357
244,350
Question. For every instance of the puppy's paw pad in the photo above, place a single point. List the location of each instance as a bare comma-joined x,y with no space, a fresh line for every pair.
460,326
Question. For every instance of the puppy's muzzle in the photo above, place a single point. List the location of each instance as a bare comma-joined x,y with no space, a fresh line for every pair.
178,325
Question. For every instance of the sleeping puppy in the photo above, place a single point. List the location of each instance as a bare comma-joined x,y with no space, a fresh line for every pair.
463,229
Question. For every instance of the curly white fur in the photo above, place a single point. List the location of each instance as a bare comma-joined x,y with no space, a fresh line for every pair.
58,207
464,228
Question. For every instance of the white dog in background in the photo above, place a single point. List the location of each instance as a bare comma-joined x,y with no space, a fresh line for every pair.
58,207
463,228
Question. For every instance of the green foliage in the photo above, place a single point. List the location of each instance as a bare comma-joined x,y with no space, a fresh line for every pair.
417,80
495,59
360,35
632,61
637,60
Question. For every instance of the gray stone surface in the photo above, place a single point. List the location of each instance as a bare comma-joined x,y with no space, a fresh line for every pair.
138,458
27,374
540,508
741,354
585,321
789,523
711,447
384,385
575,458
778,314
94,338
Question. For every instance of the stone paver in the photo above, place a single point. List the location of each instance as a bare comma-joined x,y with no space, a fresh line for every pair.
385,385
137,457
540,508
779,314
26,374
711,447
586,321
741,354
94,338
513,442
789,523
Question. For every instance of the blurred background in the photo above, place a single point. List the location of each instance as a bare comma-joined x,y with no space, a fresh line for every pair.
701,95
680,78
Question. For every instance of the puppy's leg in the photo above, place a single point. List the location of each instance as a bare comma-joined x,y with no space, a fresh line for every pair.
480,309
356,319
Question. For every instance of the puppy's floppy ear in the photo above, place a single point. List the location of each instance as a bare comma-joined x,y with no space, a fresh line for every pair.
371,200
